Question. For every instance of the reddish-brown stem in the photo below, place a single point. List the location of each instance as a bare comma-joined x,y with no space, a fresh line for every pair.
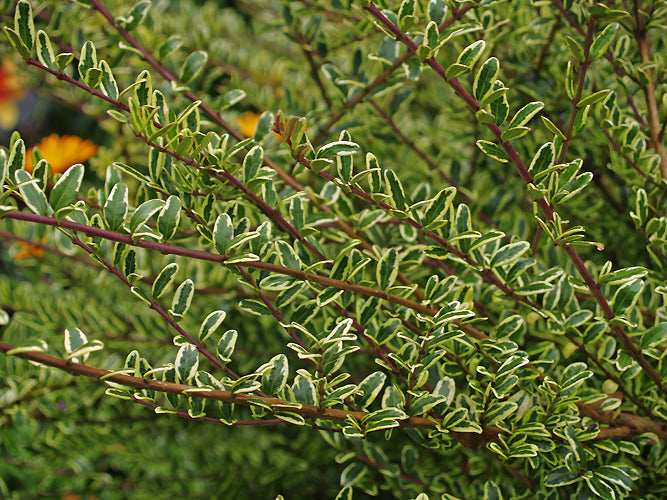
201,255
634,424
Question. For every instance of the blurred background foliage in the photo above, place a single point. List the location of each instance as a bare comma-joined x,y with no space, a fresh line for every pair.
61,436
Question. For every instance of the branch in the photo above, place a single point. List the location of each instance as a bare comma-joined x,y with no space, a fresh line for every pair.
201,255
629,423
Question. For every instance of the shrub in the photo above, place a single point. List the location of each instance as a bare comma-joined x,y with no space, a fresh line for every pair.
410,249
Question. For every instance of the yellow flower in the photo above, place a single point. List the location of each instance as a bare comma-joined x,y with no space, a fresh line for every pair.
62,151
11,94
247,123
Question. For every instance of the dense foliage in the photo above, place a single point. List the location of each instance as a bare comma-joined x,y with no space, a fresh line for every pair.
410,249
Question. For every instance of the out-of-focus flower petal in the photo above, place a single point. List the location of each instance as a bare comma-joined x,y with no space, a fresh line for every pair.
247,123
12,93
62,151
9,114
28,250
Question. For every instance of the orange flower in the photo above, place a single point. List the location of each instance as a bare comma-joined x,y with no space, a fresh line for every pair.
28,250
11,93
62,151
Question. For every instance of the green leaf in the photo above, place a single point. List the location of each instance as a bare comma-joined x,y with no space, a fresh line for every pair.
573,376
509,253
230,98
288,257
45,51
352,474
108,82
623,275
211,324
626,296
543,159
594,98
572,187
486,77
413,67
600,488
485,239
387,268
274,378
560,477
395,189
223,232
440,205
226,345
74,340
580,120
492,150
511,364
24,25
242,257
116,207
65,191
304,391
514,133
437,10
63,60
32,195
551,126
654,335
431,35
602,41
192,66
578,318
337,148
369,388
252,162
500,108
297,214
87,59
524,115
615,475
16,160
471,53
169,45
492,491
136,15
139,293
641,206
164,279
328,295
186,363
93,78
575,48
169,217
144,212
16,42
264,124
129,263
182,298
455,70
